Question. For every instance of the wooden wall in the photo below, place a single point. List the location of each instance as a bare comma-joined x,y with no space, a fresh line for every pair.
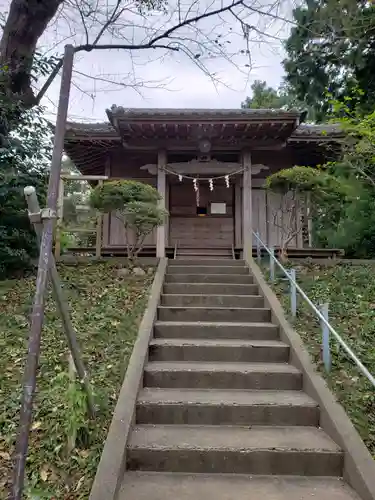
126,166
270,215
185,227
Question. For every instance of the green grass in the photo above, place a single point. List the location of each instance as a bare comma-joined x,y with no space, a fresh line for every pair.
106,311
350,291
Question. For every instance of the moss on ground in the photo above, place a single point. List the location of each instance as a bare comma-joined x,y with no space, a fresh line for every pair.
106,311
350,291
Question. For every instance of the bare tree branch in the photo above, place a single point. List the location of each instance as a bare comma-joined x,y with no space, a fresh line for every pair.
120,46
83,20
130,81
175,27
289,229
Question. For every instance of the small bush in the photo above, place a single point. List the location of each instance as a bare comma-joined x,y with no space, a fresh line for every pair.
115,195
136,206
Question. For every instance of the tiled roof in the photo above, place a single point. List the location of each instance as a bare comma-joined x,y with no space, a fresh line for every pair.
105,129
306,129
119,111
87,128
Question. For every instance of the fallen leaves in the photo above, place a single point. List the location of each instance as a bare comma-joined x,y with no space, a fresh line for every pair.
36,425
80,483
44,474
105,313
350,292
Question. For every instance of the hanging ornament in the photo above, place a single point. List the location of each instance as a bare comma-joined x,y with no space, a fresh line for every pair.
211,184
180,177
196,189
227,181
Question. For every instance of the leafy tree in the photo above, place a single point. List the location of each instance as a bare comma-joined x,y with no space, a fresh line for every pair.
136,205
294,183
332,48
76,211
23,162
342,191
355,230
265,97
358,148
354,227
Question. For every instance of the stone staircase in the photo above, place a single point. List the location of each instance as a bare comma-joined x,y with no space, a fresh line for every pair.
222,413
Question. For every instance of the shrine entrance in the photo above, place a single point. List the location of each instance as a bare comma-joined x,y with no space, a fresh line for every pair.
202,218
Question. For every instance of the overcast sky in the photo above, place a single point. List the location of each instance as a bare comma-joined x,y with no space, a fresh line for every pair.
169,80
185,85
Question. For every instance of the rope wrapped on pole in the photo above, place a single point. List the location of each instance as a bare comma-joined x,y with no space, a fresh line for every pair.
36,323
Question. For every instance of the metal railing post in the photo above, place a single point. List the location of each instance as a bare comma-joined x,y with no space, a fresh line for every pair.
259,255
272,264
293,293
325,338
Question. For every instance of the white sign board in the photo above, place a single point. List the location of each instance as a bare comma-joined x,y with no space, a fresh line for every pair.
218,208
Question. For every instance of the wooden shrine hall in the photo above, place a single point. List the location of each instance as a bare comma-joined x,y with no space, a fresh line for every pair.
209,165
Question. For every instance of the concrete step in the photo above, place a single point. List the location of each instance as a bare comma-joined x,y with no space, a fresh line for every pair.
187,277
212,300
210,288
232,350
220,375
167,486
195,269
202,258
206,261
219,314
304,451
215,330
220,407
206,252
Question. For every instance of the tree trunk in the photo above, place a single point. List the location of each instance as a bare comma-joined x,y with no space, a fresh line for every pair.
26,22
283,255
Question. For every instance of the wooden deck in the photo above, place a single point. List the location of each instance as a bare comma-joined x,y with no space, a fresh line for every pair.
150,251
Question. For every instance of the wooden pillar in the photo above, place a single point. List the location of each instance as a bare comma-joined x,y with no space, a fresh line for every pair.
59,221
238,213
166,198
161,184
309,219
106,217
247,237
99,228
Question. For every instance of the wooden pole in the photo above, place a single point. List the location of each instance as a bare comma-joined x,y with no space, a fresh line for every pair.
72,380
238,213
247,236
309,220
48,216
34,214
99,227
161,183
60,214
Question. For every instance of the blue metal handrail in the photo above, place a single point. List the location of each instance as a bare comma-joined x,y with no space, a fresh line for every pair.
321,317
